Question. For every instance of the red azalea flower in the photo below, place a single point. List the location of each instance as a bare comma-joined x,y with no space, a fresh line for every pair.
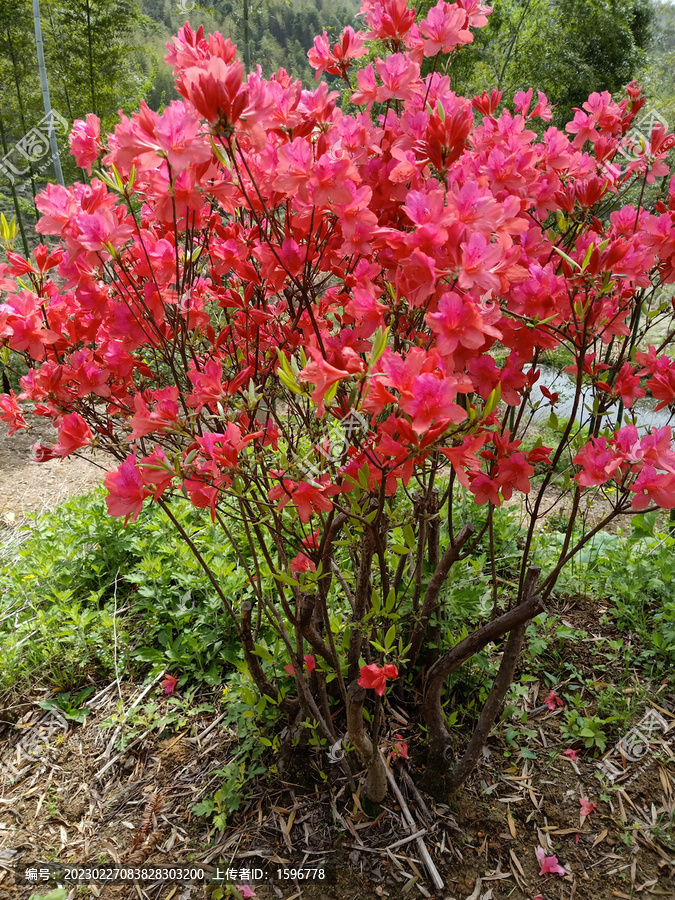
400,748
549,864
587,806
553,700
310,665
169,684
374,677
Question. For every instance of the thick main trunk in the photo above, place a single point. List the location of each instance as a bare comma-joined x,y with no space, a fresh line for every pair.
430,603
289,704
361,598
376,778
461,771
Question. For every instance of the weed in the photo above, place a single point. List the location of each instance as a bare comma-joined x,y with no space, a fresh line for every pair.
83,589
589,729
71,709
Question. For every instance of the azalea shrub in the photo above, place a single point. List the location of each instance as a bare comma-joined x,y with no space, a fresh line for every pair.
324,323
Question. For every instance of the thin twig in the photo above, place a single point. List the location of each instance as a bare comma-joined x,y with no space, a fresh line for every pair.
412,825
117,671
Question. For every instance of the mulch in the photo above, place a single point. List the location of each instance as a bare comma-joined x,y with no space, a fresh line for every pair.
68,794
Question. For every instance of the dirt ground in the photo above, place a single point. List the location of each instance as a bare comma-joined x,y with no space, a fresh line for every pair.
68,794
27,486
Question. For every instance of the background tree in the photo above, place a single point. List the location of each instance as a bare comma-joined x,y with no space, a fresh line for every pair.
95,56
281,33
95,61
658,75
566,49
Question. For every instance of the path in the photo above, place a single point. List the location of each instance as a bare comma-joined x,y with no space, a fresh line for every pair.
27,486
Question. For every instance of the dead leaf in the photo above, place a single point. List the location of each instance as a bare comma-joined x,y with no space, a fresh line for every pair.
475,893
517,862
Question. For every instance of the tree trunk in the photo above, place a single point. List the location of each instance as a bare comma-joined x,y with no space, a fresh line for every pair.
15,198
461,771
439,739
56,159
247,40
376,778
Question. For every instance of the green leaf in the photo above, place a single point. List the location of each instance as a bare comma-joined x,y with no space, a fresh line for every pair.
289,382
148,654
364,475
286,579
493,400
379,346
56,894
575,265
587,257
204,808
400,549
390,637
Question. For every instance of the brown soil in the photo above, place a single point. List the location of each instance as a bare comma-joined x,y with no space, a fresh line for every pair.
30,487
56,804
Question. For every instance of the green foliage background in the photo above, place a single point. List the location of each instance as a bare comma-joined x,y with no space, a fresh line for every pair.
565,48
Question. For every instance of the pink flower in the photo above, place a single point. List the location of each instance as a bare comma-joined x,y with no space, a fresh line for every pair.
598,463
367,87
302,563
400,77
653,487
553,700
310,665
156,472
126,491
571,754
549,864
85,141
169,684
336,61
321,373
10,413
400,748
587,806
247,891
307,498
40,453
374,677
73,434
164,415
444,28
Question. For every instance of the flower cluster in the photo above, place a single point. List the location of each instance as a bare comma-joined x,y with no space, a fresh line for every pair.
261,260
429,224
